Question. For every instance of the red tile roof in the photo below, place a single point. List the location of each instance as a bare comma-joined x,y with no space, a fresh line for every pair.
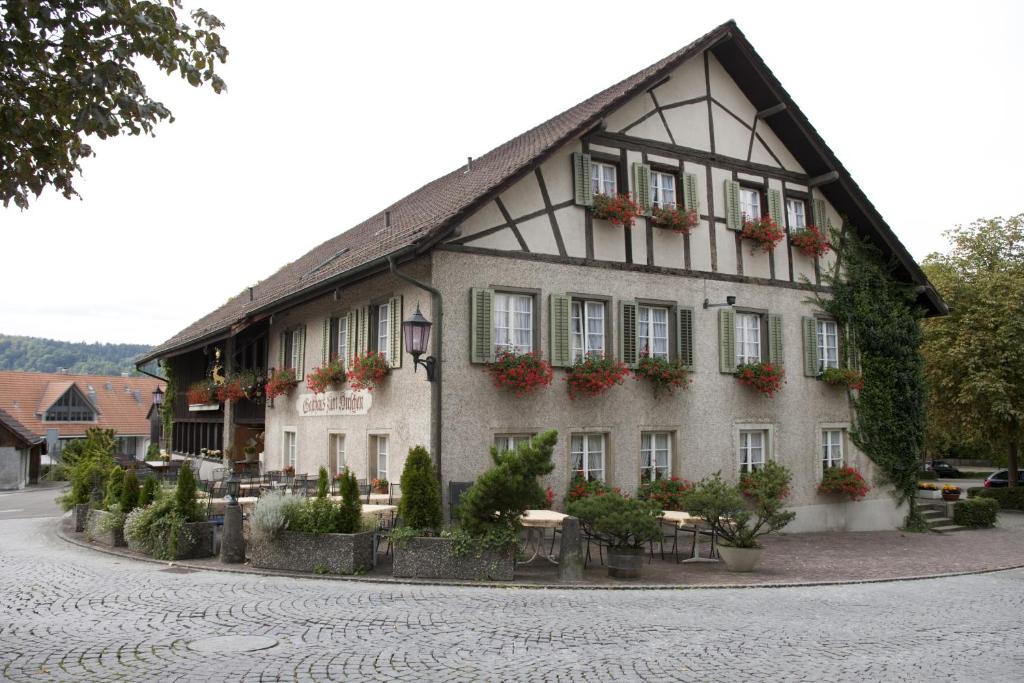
19,429
24,396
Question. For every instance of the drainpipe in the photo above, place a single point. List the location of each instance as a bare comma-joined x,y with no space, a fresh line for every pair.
437,311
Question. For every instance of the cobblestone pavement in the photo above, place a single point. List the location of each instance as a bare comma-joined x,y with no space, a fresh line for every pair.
68,613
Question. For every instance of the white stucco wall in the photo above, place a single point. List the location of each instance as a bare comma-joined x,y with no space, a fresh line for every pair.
13,468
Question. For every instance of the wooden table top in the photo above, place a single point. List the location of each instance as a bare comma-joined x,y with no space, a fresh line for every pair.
545,519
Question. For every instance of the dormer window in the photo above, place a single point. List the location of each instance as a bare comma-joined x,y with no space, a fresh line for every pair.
71,407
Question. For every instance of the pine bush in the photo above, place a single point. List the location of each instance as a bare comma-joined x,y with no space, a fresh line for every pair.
420,507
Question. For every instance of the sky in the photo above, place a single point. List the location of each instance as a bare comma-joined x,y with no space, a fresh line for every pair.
335,110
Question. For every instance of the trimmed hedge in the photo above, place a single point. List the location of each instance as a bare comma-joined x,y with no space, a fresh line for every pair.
1008,498
976,513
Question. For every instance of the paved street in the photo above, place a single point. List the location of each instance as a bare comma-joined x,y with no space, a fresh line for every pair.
68,613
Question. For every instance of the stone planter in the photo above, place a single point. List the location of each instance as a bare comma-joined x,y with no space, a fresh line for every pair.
301,552
81,515
105,528
196,542
925,494
435,558
625,563
740,559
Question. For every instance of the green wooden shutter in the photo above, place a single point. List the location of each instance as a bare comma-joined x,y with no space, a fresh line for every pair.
775,207
364,331
733,214
325,342
775,353
581,175
281,351
561,334
481,316
642,186
628,351
690,197
351,332
686,340
726,340
395,332
332,341
300,371
810,327
820,217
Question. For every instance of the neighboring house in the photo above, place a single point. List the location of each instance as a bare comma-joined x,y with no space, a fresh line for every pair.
61,407
20,452
511,243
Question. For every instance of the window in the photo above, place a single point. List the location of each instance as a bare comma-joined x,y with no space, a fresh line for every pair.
341,348
587,328
513,323
290,454
748,338
796,213
652,331
588,456
750,203
383,329
752,449
335,453
510,442
293,349
655,456
127,445
828,344
831,448
663,190
71,407
603,178
381,454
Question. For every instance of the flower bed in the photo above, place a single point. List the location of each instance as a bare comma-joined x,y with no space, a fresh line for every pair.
838,377
674,219
764,231
368,372
844,481
281,382
321,378
594,374
664,375
619,209
766,378
520,373
810,241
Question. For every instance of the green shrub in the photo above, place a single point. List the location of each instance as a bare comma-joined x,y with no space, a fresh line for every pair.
668,494
150,489
323,483
582,488
316,516
272,513
420,507
88,464
53,472
976,512
185,495
618,521
115,487
927,475
153,452
494,504
129,492
1008,498
350,513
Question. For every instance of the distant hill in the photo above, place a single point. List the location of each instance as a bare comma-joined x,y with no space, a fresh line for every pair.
49,355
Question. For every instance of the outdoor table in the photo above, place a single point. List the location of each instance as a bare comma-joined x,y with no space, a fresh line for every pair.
684,520
535,522
380,498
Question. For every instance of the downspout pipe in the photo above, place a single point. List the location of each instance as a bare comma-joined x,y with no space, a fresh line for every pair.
437,311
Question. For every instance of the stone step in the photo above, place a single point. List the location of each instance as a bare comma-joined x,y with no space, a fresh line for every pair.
948,527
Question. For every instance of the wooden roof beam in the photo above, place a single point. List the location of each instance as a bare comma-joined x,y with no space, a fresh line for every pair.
771,111
823,179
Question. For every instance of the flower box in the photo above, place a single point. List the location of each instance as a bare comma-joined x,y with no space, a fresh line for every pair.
281,383
674,219
435,558
764,232
303,552
200,407
619,209
368,372
810,241
925,494
842,377
520,373
330,375
765,378
594,374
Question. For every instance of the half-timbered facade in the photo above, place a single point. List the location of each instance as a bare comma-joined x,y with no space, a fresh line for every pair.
513,247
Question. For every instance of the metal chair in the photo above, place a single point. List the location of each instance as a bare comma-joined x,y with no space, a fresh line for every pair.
394,491
385,527
665,535
455,491
365,489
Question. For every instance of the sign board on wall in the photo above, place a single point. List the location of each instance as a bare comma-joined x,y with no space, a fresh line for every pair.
332,403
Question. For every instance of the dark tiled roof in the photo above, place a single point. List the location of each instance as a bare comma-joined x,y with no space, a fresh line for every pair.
19,429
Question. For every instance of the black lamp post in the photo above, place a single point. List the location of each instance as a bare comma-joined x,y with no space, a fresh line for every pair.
232,487
416,334
158,397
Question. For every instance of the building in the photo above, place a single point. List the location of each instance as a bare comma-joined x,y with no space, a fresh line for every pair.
60,407
511,245
20,452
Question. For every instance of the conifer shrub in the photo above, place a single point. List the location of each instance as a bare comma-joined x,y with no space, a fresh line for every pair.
420,507
350,512
129,492
150,487
115,487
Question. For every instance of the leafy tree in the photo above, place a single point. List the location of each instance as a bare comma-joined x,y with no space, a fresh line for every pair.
420,506
975,356
69,70
35,354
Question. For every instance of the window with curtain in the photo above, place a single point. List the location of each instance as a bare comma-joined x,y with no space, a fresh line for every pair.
831,448
383,329
513,323
748,338
294,352
588,456
796,213
382,457
655,456
603,178
336,453
588,328
342,346
663,190
828,344
750,203
291,454
752,449
510,442
652,331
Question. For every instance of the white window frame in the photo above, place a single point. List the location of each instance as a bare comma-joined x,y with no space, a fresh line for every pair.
342,339
381,450
749,338
797,220
290,452
590,444
333,441
832,440
582,326
604,178
827,333
295,337
508,325
740,446
510,442
383,329
663,190
649,450
645,330
750,203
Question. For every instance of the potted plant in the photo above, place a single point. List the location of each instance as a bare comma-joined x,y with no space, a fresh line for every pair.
331,374
765,378
594,374
844,481
617,209
741,513
842,377
928,491
624,524
368,372
201,394
520,373
173,526
230,390
667,494
810,241
675,219
664,375
281,382
763,231
379,485
288,470
250,453
951,493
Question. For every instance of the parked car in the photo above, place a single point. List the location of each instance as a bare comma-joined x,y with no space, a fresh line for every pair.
943,469
1001,479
